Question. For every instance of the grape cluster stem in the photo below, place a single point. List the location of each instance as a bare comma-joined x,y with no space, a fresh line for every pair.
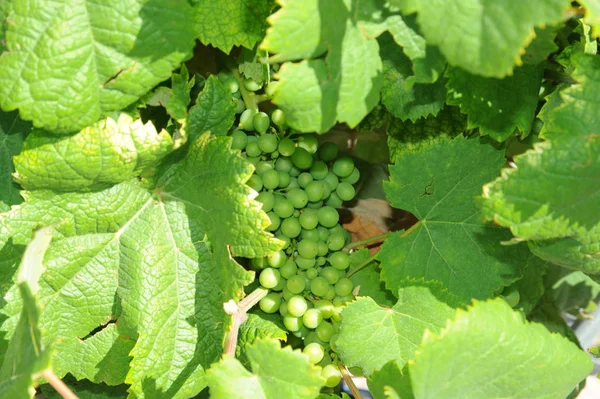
60,387
348,380
239,316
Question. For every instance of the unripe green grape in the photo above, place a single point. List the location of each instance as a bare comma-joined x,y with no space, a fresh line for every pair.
286,293
293,184
312,273
267,142
258,263
343,167
331,274
277,259
255,182
319,170
315,205
267,200
253,150
296,284
336,241
292,323
261,122
339,260
288,269
251,85
344,286
321,261
237,95
332,343
326,190
332,180
253,160
246,120
309,219
302,159
324,331
285,239
308,142
275,154
270,89
294,172
239,139
283,208
291,227
328,151
308,248
326,308
353,178
270,179
304,179
314,190
278,117
284,179
319,286
332,376
323,249
512,296
345,191
269,277
305,263
239,105
323,233
263,167
328,216
275,221
334,201
287,147
270,303
330,294
283,164
309,234
314,351
297,306
283,308
312,318
297,197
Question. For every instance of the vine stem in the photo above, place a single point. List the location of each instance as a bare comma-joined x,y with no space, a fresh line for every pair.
362,266
248,97
367,241
348,380
58,385
239,313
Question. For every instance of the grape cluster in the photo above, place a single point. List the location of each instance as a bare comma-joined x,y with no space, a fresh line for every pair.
300,185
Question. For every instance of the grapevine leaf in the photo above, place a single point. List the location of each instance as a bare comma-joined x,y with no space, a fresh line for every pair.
390,377
407,136
5,9
26,355
490,103
540,47
484,38
163,255
592,15
214,110
559,215
315,93
531,285
181,86
276,373
12,133
572,290
258,326
368,279
250,65
68,65
229,23
414,102
485,343
450,243
371,335
114,151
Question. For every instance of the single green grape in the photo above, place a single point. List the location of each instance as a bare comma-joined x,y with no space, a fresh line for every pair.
267,142
253,150
332,180
267,200
304,179
283,164
275,221
330,294
326,308
284,179
328,216
326,190
339,260
270,303
310,234
343,287
319,170
323,233
328,151
287,147
293,184
323,249
283,208
334,201
331,274
314,351
319,286
251,85
278,117
246,120
294,172
336,241
302,159
345,191
308,142
353,177
297,306
239,140
312,318
297,197
239,105
291,227
292,323
261,123
512,296
277,259
312,273
305,263
296,284
324,331
343,166
258,263
269,277
321,261
263,167
309,219
332,376
283,308
308,248
314,190
288,269
270,179
312,337
255,182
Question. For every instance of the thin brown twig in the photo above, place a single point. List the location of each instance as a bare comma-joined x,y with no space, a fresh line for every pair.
348,380
239,316
60,387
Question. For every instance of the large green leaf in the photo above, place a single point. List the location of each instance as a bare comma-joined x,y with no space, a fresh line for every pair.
552,196
491,352
490,103
258,326
70,63
450,243
159,260
592,15
105,153
227,23
276,373
26,355
12,133
481,36
214,110
371,335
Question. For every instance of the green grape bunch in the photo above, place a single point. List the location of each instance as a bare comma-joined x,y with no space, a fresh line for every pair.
300,184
